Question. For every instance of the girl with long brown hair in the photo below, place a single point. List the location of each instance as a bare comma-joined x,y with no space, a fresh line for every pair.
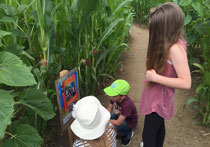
166,69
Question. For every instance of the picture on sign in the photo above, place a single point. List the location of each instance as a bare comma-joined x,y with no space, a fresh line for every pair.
67,89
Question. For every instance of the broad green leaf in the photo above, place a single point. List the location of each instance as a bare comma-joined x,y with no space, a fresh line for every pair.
197,6
185,2
189,101
21,8
8,9
7,19
191,37
200,28
16,123
4,33
187,19
18,33
28,55
13,72
194,60
6,110
14,48
107,75
201,86
199,66
207,4
37,101
25,136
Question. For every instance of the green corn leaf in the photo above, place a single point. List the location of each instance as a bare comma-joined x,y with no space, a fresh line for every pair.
8,9
4,33
37,101
189,101
187,19
19,33
7,19
197,6
55,9
207,4
21,8
13,72
207,78
6,110
121,6
85,6
199,66
94,78
200,28
40,13
107,75
102,57
199,109
208,118
14,48
201,86
28,55
191,37
109,30
25,136
185,2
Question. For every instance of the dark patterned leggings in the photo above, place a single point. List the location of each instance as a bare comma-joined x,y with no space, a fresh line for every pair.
154,130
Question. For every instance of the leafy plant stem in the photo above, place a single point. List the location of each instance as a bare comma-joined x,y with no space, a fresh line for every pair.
14,136
17,103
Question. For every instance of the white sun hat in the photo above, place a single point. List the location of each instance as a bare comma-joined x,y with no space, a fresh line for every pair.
91,118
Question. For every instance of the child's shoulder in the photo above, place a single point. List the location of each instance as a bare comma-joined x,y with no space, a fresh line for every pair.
177,53
128,101
177,48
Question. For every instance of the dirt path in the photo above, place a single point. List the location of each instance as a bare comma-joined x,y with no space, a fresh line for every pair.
181,130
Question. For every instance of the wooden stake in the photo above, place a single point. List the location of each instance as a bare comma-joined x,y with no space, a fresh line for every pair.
70,136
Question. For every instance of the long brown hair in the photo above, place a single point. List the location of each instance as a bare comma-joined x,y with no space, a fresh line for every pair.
166,26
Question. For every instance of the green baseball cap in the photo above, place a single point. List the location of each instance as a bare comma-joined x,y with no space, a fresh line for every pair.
118,87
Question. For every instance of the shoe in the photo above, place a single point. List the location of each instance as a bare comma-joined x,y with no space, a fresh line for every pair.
141,144
127,140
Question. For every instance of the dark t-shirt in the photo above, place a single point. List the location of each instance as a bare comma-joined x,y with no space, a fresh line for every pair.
128,109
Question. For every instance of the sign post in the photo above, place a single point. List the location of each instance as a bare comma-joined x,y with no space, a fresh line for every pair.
67,88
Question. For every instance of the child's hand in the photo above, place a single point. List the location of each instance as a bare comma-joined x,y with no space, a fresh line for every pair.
151,75
63,72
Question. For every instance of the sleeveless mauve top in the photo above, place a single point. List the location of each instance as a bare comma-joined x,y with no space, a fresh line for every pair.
159,98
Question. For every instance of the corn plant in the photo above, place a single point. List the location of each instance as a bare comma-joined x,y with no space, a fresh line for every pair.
197,20
91,31
142,9
38,38
197,26
203,94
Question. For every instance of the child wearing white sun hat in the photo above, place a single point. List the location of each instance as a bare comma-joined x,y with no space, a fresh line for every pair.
92,125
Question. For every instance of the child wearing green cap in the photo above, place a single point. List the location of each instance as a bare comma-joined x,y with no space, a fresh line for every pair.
124,114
